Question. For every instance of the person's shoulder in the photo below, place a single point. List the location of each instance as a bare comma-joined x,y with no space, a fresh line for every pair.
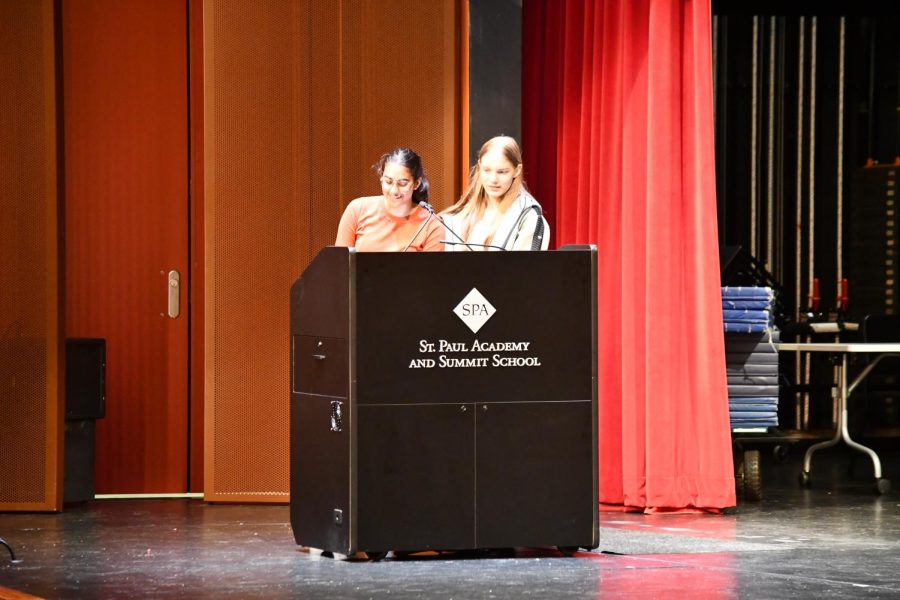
525,199
365,201
364,204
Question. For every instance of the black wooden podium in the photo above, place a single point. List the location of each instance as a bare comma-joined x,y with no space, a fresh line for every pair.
444,400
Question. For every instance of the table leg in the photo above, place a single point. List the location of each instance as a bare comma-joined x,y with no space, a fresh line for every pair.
842,432
807,458
845,433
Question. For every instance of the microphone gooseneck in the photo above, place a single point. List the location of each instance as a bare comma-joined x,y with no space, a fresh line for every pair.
470,244
461,241
421,227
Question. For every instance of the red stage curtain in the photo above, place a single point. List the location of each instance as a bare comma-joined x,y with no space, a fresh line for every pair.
618,143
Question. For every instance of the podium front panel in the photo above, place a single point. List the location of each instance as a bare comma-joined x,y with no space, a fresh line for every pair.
533,484
416,477
536,344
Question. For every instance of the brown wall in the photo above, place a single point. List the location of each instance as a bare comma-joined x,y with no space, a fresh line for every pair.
300,98
30,366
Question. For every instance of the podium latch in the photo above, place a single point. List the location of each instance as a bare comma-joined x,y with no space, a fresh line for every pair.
337,415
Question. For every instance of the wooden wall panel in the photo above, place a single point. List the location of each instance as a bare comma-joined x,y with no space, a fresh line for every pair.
252,235
31,426
300,99
399,88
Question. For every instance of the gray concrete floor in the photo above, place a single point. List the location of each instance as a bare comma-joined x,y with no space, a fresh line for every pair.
836,539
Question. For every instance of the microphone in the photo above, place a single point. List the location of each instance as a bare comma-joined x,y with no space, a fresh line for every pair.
461,241
470,244
419,230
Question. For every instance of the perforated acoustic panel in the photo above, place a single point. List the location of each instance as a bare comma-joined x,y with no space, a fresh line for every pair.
300,99
30,398
400,70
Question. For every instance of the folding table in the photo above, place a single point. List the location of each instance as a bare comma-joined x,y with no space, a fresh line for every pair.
880,351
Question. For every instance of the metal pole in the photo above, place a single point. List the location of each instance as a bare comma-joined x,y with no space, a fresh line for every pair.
800,398
770,153
754,110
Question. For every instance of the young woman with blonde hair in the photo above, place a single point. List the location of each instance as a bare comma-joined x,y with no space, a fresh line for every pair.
496,212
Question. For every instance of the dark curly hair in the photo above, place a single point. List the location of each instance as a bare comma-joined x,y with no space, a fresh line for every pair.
406,157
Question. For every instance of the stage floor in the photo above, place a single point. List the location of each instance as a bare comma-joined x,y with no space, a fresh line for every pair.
838,539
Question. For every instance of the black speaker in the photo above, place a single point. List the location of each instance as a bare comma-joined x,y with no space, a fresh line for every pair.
85,378
78,485
85,402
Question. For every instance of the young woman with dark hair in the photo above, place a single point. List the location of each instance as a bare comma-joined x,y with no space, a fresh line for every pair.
393,221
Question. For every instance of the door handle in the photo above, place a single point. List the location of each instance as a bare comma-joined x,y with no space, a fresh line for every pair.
174,285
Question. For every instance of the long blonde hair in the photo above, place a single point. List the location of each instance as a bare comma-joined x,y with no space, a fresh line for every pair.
473,202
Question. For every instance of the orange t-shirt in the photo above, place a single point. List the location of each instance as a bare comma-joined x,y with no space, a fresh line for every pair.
368,227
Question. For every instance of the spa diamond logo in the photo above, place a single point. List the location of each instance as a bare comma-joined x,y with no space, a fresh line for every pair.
474,310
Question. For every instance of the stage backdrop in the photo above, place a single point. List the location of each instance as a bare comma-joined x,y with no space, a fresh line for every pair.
618,136
300,98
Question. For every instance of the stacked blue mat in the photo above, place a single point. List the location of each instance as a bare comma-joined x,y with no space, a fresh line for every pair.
751,357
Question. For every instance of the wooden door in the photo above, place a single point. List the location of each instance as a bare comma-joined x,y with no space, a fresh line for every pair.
125,119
